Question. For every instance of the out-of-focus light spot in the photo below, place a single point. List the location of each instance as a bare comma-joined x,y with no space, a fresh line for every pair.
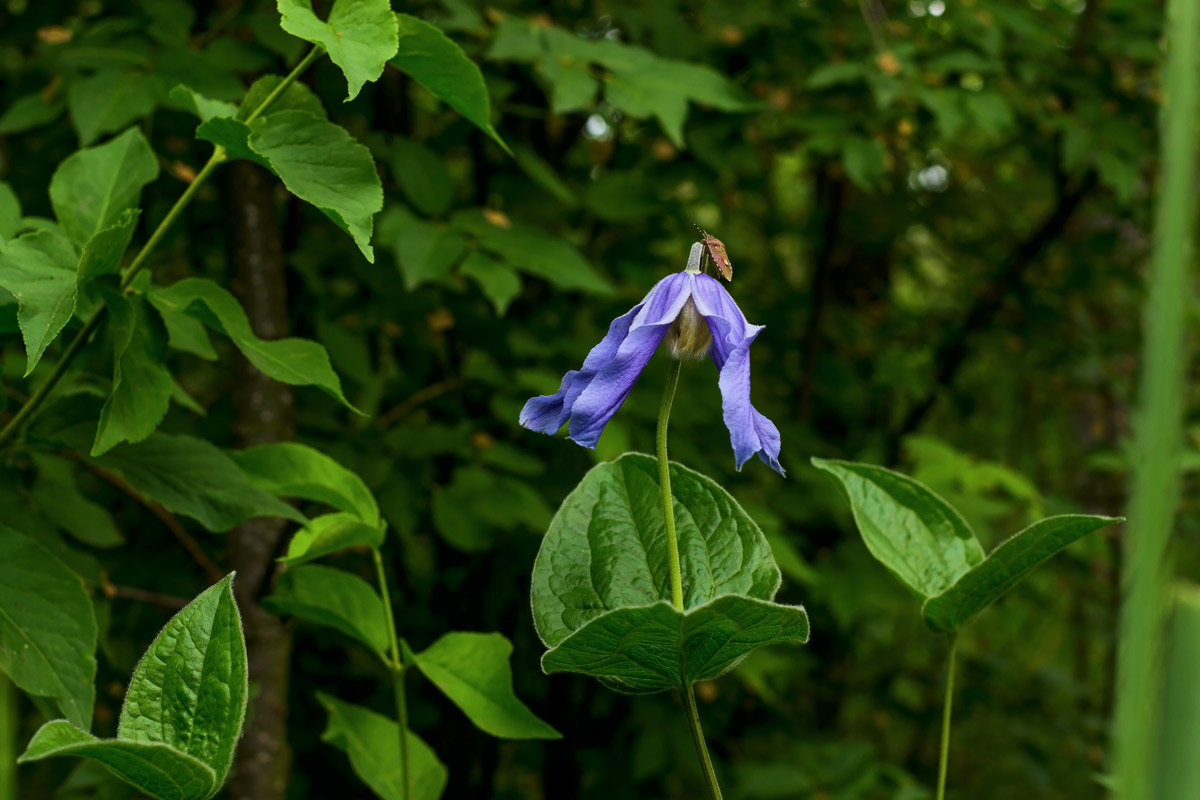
937,8
597,127
934,178
916,8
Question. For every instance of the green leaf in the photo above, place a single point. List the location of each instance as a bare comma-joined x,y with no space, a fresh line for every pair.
58,499
1178,769
157,770
441,66
192,477
499,283
30,111
372,741
203,107
184,332
298,362
93,187
605,551
142,386
189,690
294,97
913,532
426,251
110,100
573,87
478,504
1004,568
291,469
359,36
322,164
47,627
10,213
653,648
335,598
422,176
472,669
331,533
39,270
102,253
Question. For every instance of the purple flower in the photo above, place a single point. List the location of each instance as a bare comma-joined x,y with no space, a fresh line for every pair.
589,396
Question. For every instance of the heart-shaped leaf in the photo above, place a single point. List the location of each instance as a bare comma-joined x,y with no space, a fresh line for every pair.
909,529
373,743
605,557
183,711
335,598
1004,568
47,627
472,669
158,770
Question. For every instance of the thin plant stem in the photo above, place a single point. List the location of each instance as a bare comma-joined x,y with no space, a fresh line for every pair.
8,739
81,338
397,667
947,704
664,483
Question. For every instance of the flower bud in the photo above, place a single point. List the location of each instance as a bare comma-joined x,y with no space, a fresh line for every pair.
689,337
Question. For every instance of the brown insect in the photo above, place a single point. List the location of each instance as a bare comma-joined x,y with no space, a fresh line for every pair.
715,249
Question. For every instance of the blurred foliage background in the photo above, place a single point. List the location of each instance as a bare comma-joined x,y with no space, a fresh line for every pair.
938,208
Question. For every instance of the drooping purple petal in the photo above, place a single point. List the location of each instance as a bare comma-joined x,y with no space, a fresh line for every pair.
610,385
611,367
750,432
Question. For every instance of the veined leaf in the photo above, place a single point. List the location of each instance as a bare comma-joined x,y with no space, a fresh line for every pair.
298,362
291,469
601,587
47,627
335,598
102,253
909,529
157,770
441,66
93,187
110,100
142,386
359,36
39,269
472,669
372,741
330,533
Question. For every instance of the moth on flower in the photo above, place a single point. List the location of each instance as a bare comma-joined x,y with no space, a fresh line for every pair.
715,249
696,315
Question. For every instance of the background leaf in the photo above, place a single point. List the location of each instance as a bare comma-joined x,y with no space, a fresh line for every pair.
291,469
335,598
141,386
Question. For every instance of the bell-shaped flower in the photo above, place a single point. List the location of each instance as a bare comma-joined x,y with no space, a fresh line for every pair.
689,308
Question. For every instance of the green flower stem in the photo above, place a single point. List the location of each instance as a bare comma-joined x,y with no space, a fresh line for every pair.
81,338
664,482
944,758
397,667
8,739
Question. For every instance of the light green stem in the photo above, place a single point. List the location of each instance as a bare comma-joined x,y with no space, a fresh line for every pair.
668,506
85,333
397,667
8,738
664,483
947,703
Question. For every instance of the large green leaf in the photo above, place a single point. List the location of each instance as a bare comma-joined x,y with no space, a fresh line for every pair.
141,386
909,529
183,711
59,499
330,533
335,598
1004,568
298,362
189,690
10,213
372,741
441,66
157,770
291,469
651,648
193,477
93,187
110,100
472,669
359,36
39,269
606,551
322,164
47,627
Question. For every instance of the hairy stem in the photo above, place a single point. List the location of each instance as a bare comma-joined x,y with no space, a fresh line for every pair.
81,338
664,483
397,667
944,757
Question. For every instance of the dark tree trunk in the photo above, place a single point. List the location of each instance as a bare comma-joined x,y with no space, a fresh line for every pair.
263,414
